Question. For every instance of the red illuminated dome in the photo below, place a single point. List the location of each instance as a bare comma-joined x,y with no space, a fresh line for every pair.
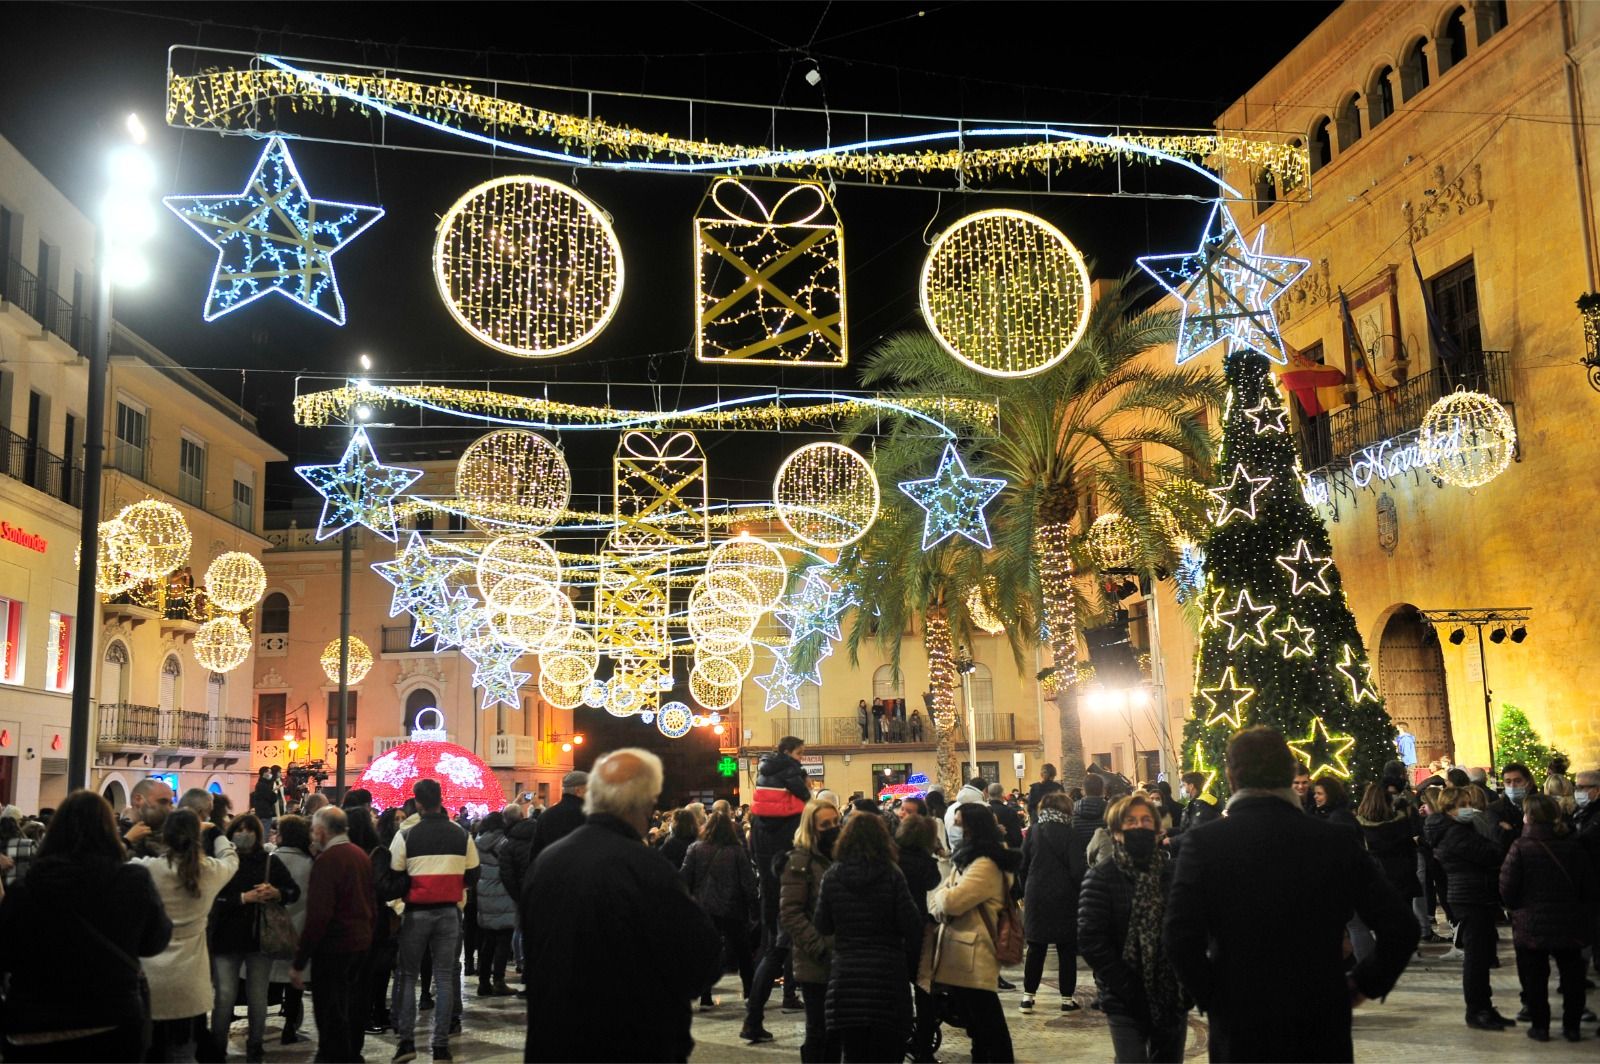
463,777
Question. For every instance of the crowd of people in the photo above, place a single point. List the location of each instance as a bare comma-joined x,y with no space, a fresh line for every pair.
887,923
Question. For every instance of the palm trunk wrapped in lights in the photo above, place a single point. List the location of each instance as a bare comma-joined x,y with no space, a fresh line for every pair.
942,680
1060,617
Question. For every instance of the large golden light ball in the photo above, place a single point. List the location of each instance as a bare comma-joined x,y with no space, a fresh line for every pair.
360,660
826,494
1113,541
512,565
978,609
235,581
707,692
1005,293
513,480
757,561
1468,439
162,536
528,266
221,644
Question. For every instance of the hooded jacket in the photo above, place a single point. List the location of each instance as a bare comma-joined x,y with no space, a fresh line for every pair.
967,795
877,937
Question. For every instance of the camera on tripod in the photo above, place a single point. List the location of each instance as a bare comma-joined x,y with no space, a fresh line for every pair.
299,775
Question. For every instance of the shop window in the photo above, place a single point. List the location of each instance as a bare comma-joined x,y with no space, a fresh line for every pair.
11,635
58,654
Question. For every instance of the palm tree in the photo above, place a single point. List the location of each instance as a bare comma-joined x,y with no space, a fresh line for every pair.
1062,436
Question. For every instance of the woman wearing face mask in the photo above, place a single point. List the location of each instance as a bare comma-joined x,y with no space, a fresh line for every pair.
811,950
1121,908
235,938
1471,862
1545,882
1052,872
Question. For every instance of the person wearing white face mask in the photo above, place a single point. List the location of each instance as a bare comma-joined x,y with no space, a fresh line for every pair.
1506,812
1471,862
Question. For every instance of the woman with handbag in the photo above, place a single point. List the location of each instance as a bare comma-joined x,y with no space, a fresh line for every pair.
1121,909
1548,885
810,950
719,875
248,910
1053,867
962,954
56,931
294,853
188,880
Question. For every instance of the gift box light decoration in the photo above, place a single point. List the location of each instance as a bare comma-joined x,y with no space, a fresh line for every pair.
659,492
235,581
528,266
769,271
826,494
513,480
221,644
1005,293
358,665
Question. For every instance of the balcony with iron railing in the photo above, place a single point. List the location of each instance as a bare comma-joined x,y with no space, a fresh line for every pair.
397,640
845,732
20,287
126,726
23,459
123,724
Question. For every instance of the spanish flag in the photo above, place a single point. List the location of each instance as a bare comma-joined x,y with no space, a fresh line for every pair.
1303,377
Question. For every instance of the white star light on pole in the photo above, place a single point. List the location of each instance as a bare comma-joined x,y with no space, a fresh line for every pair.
358,490
953,501
1227,288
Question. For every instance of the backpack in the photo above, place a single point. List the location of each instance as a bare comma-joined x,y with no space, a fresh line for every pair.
1006,931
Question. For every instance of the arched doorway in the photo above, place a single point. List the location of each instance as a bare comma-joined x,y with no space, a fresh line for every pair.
1411,677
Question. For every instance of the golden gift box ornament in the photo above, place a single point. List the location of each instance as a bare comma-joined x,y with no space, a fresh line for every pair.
659,500
770,280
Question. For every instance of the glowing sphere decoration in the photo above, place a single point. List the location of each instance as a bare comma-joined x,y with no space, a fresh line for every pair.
978,609
235,581
1113,541
511,565
826,494
464,779
221,644
706,691
116,558
1469,439
560,695
513,478
360,662
528,266
757,561
162,537
1005,293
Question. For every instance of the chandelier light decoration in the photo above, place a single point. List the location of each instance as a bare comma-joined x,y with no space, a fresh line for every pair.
359,664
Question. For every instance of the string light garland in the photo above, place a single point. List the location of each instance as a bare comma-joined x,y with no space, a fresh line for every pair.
1113,541
826,494
952,501
979,612
1469,437
1324,752
358,490
273,237
161,536
528,266
1005,293
358,665
221,644
513,478
1053,549
235,581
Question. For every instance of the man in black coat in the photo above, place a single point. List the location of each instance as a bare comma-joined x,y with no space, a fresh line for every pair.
563,818
602,910
1004,815
1048,784
1505,812
1268,882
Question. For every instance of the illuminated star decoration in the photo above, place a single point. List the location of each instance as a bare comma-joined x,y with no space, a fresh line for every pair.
1249,616
497,676
1227,288
1323,751
815,607
953,501
1296,638
1267,416
1308,573
416,576
273,237
782,686
358,490
1359,673
1200,766
1225,495
1227,700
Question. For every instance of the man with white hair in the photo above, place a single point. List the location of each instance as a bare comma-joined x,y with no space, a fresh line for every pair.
610,908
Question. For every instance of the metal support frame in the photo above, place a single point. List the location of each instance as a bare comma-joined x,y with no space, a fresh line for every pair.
1479,619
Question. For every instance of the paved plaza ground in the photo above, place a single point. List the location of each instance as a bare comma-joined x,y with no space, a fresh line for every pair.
1422,1020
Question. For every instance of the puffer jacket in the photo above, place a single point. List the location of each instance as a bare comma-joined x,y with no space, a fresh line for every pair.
1549,888
1088,817
877,934
517,856
781,787
497,909
1105,904
722,880
1392,843
801,884
1470,859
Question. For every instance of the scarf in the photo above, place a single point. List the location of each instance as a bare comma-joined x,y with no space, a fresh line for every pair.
1143,949
1052,816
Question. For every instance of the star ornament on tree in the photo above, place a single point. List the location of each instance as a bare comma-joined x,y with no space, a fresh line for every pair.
1225,495
1324,752
273,237
1227,288
1358,672
1306,572
1268,416
1296,639
1246,620
358,490
1227,700
953,501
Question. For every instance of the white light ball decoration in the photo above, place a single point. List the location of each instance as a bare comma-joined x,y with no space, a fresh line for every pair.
116,556
1114,541
534,631
826,494
742,659
571,658
708,694
674,720
980,613
235,581
221,644
513,479
528,266
511,564
360,662
757,561
1005,293
1468,439
162,537
560,695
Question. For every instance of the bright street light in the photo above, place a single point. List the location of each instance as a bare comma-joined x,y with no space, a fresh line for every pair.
136,130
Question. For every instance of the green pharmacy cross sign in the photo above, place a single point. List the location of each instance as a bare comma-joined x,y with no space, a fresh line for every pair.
728,766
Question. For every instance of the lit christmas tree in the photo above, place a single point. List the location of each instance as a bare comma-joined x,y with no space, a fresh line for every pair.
1279,645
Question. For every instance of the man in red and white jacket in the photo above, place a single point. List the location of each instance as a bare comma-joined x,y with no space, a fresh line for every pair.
441,862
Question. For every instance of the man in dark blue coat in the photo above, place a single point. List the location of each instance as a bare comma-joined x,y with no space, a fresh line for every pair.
1267,882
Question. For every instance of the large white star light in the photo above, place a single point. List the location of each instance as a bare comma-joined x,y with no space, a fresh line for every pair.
358,489
273,237
815,607
782,686
1227,288
953,501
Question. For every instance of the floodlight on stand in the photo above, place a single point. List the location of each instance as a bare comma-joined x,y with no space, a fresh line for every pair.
1497,636
1458,636
1519,633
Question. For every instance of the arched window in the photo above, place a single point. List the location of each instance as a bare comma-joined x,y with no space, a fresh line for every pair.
417,701
1321,144
171,681
1414,69
1266,190
885,684
1349,118
1290,184
275,614
1380,97
114,674
1451,44
1491,19
216,693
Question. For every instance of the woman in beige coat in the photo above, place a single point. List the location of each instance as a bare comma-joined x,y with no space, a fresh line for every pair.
180,975
961,955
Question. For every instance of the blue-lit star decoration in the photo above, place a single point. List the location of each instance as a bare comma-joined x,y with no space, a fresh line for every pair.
1190,574
498,678
953,501
418,578
358,490
1227,288
274,237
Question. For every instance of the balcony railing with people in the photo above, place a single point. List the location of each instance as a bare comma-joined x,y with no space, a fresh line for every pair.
23,459
20,286
847,731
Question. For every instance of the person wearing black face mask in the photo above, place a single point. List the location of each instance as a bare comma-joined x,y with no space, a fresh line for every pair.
1120,912
812,952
